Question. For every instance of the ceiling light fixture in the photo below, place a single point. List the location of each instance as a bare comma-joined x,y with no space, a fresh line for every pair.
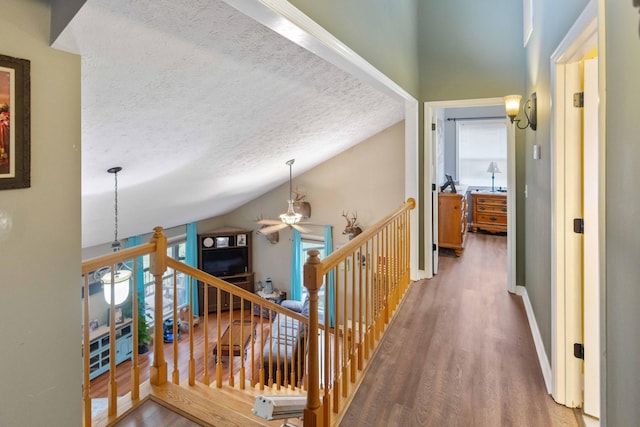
290,217
512,106
119,278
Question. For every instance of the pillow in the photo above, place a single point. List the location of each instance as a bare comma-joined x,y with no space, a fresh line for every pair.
305,307
292,305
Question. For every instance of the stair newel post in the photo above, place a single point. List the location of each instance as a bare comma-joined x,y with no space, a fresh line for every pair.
312,281
157,267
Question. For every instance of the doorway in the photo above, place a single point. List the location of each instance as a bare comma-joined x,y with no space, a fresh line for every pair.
435,118
577,256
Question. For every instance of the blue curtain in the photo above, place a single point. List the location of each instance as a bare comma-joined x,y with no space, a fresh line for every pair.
328,249
191,256
296,273
139,279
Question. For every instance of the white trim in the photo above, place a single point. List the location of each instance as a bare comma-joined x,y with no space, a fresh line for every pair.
580,39
429,178
537,338
291,23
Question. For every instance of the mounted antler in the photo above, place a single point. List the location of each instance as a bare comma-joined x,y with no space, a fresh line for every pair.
299,204
352,229
273,237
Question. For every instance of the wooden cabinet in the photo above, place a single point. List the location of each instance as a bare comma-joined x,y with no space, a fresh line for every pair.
452,221
489,212
226,254
99,347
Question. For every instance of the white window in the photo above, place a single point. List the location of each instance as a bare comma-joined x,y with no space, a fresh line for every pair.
480,142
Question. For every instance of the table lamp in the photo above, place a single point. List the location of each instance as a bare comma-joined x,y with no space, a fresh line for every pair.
494,169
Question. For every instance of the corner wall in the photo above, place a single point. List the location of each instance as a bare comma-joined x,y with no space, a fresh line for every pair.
40,258
368,178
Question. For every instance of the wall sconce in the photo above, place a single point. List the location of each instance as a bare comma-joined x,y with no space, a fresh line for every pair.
512,105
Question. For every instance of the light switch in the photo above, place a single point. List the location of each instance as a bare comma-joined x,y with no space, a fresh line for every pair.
536,152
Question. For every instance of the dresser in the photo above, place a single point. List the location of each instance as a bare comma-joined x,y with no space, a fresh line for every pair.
452,220
489,212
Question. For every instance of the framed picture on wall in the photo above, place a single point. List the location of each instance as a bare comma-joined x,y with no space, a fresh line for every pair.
241,240
222,242
15,146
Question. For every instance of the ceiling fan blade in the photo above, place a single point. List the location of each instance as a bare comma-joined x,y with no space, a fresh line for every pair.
269,221
299,228
272,228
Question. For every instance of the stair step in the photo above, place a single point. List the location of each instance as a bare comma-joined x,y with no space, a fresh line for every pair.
207,406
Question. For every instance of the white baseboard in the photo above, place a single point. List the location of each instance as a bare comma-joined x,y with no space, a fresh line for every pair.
537,338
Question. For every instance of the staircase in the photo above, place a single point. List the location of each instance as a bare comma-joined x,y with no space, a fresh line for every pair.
365,281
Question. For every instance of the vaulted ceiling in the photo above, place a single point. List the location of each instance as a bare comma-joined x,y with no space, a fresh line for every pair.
202,106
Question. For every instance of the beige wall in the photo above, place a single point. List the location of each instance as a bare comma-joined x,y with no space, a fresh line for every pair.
40,370
368,178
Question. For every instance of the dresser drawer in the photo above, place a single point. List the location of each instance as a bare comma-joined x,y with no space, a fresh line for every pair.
499,209
491,219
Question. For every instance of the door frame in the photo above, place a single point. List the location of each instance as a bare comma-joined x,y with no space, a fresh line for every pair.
430,174
583,36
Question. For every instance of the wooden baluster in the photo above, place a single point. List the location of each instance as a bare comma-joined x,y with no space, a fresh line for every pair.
271,379
336,346
278,372
192,361
285,368
230,343
312,281
176,319
243,351
261,376
218,356
359,323
368,303
157,267
112,388
135,365
206,378
86,351
345,323
351,335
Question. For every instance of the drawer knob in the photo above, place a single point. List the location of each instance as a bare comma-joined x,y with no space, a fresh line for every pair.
493,218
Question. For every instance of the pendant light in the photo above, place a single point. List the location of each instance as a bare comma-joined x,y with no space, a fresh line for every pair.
290,217
119,278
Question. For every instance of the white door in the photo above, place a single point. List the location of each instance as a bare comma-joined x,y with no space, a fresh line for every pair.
591,251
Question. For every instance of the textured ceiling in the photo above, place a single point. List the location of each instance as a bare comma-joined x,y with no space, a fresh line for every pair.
202,107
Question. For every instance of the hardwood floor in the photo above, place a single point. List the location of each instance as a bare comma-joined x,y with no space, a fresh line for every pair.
152,414
471,360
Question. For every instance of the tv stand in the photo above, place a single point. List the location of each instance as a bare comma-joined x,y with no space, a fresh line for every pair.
226,254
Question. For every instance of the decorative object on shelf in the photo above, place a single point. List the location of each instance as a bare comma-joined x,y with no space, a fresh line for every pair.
15,127
119,278
288,219
241,240
448,183
493,169
268,286
512,106
352,229
300,205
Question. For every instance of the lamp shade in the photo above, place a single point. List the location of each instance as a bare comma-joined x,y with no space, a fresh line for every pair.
121,286
291,217
493,168
512,105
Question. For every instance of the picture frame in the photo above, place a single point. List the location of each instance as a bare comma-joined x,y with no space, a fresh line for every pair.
119,315
15,123
241,240
222,242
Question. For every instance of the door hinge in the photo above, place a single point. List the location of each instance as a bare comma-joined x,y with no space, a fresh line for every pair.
433,126
433,247
578,351
578,99
578,225
433,187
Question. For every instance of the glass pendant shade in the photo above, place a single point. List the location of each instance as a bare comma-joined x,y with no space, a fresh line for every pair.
512,105
121,286
291,216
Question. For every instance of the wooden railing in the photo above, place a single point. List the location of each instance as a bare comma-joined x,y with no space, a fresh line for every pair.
368,277
366,280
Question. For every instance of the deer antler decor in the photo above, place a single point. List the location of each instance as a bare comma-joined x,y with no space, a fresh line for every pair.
352,229
300,205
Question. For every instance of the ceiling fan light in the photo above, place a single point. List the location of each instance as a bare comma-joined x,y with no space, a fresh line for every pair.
291,216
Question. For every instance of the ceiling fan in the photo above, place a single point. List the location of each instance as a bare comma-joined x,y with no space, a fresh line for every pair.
290,218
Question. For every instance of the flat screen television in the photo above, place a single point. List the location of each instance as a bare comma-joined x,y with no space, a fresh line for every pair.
225,262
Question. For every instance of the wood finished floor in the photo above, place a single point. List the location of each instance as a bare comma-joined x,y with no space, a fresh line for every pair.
459,353
152,414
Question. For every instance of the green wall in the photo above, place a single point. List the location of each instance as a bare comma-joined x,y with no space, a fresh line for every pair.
384,32
622,56
40,304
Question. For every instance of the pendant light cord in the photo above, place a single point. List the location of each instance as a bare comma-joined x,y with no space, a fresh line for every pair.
115,246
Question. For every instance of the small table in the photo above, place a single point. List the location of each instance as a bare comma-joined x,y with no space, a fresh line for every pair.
238,345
